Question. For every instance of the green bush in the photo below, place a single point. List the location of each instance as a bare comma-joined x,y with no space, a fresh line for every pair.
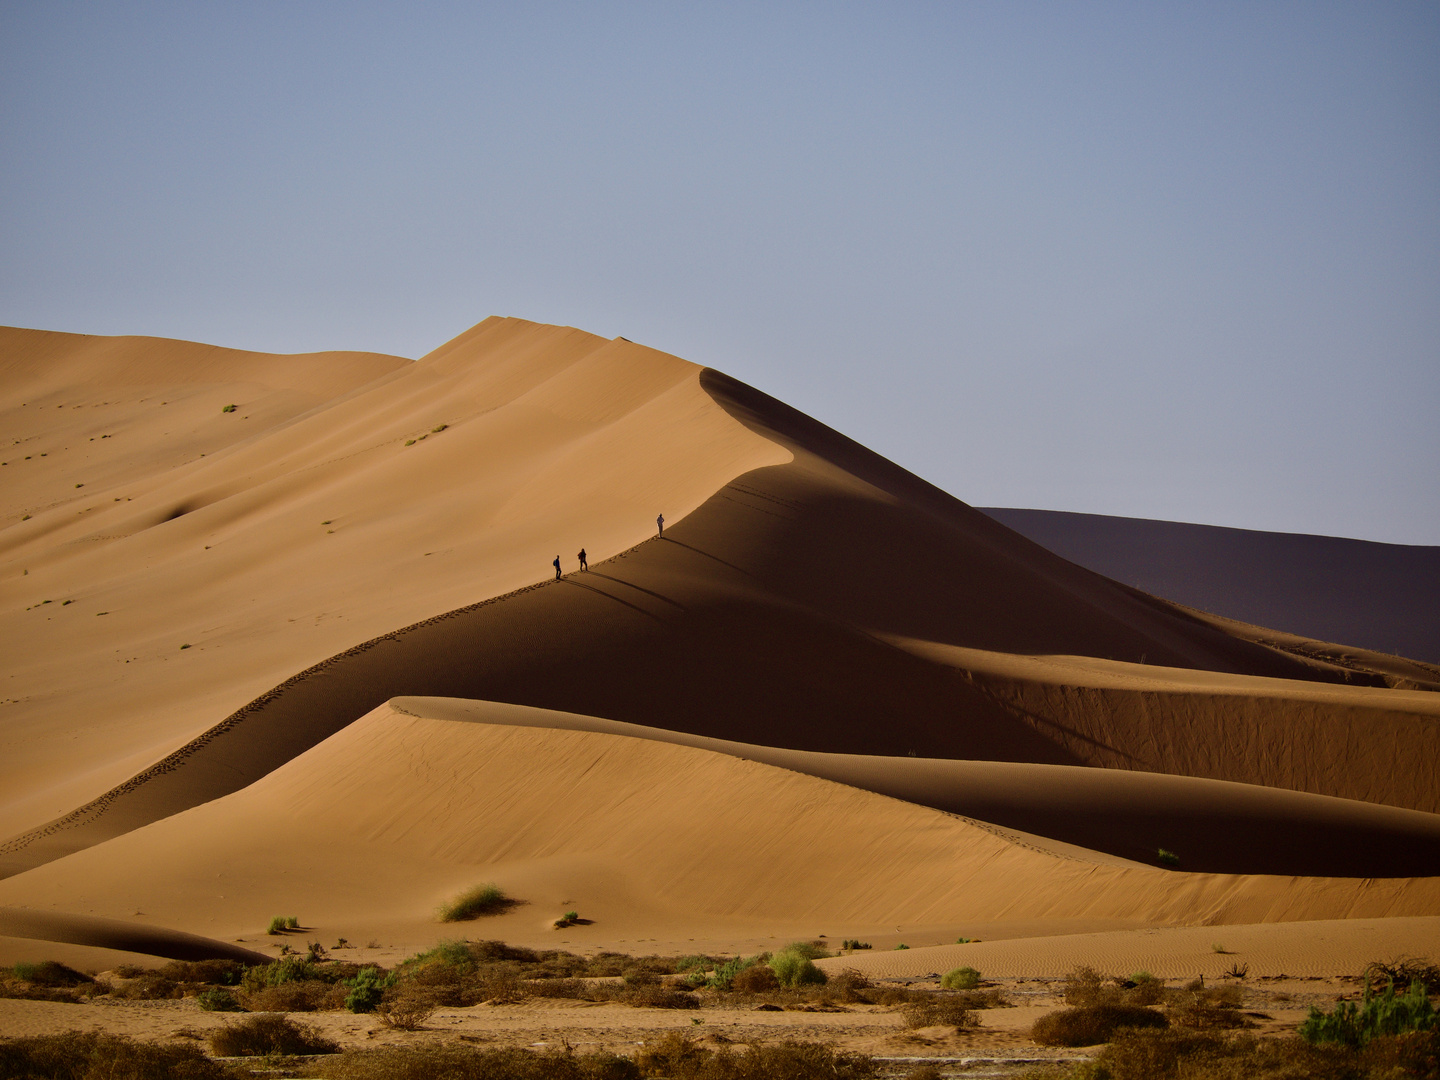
50,973
286,969
1387,1014
961,978
811,950
1092,1024
228,408
471,904
724,974
794,969
1167,858
217,999
90,1055
367,989
269,1033
854,943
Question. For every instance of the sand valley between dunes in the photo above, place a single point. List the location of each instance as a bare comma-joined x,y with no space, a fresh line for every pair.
308,655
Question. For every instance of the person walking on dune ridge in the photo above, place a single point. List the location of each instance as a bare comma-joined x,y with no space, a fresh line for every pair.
659,524
583,564
557,567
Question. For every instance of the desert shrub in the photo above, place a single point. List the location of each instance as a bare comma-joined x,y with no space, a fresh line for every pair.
473,903
658,997
848,985
755,979
407,1012
269,1033
278,925
464,1063
212,972
1387,1014
1204,1009
90,1056
49,973
292,923
366,989
811,950
286,969
218,999
1085,987
961,978
677,1058
304,995
854,943
1166,858
937,1011
1194,1055
1091,1024
1406,971
723,977
1147,989
795,969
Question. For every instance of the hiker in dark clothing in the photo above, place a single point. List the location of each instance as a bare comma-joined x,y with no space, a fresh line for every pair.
659,524
583,564
557,567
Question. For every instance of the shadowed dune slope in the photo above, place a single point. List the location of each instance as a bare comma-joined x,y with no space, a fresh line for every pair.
388,817
1377,596
812,596
1221,827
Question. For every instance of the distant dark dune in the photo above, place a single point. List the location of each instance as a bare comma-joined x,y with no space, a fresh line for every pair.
1384,597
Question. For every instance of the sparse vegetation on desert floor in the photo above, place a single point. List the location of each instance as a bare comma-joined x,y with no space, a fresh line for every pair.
1135,1026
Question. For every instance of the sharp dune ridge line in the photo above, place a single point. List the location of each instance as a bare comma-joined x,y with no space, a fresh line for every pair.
828,693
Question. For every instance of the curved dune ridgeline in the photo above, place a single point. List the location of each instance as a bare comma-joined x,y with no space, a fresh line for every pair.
220,619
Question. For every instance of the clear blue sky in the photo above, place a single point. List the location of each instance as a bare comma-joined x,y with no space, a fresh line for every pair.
1166,260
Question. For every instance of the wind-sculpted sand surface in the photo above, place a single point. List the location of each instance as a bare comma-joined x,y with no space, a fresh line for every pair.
308,656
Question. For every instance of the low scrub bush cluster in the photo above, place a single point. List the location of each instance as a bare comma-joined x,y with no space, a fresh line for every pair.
48,981
1194,1006
1088,1025
266,1034
673,1057
91,1055
1175,1054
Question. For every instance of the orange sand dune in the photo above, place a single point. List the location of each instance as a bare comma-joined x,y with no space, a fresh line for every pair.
225,604
278,550
1380,596
369,831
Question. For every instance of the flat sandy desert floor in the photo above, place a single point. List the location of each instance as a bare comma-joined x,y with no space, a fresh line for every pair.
282,635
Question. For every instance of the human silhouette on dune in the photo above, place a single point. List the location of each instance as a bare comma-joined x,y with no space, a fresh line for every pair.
557,567
583,564
659,524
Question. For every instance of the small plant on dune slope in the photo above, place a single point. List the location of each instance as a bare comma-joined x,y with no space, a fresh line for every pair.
473,903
